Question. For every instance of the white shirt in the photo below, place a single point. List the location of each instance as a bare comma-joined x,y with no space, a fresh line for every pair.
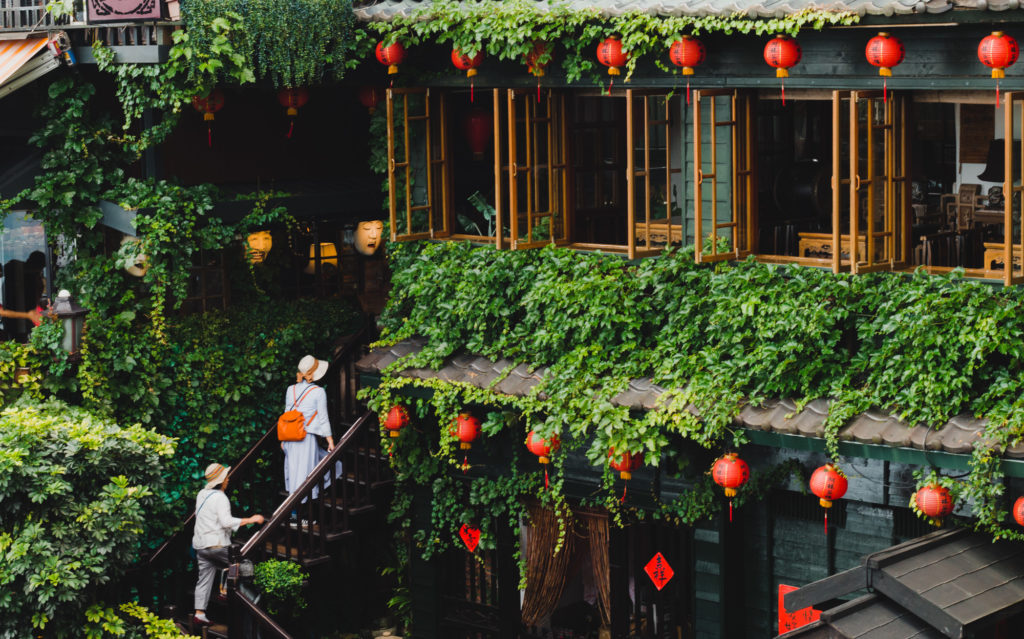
314,403
214,523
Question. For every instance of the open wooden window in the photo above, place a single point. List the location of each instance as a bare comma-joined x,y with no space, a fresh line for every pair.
877,186
1009,252
654,213
725,191
536,168
417,164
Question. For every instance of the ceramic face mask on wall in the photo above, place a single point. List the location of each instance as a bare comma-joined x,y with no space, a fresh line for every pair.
368,236
258,245
129,246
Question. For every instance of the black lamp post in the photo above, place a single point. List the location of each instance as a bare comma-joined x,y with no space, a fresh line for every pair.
73,317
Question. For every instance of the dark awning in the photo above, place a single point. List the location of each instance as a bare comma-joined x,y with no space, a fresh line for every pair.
951,583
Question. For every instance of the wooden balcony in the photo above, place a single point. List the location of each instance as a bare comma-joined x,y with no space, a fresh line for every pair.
25,16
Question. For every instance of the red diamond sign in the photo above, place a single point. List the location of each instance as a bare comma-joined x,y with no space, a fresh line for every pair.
470,536
659,571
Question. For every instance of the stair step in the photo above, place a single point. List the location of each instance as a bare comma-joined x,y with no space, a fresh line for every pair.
317,531
216,631
282,551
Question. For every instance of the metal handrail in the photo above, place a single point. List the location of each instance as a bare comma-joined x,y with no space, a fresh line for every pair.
303,495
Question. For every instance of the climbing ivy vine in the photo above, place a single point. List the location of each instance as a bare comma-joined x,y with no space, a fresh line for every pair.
925,348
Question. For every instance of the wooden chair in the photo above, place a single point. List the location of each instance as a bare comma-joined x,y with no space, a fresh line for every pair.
959,207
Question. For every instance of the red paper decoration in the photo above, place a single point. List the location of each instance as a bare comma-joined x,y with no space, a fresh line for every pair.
541,447
478,127
884,52
687,53
659,571
730,472
531,58
1018,511
998,51
293,99
370,97
935,502
470,536
397,419
466,63
391,55
828,484
783,53
625,463
610,54
465,428
210,104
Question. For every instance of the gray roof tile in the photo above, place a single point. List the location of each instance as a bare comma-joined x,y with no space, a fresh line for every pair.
959,435
386,10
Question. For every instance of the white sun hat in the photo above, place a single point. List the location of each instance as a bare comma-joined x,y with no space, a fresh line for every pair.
318,366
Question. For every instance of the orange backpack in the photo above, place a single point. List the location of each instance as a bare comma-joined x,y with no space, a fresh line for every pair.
291,426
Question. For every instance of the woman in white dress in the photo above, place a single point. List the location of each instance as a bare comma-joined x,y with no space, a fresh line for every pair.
302,456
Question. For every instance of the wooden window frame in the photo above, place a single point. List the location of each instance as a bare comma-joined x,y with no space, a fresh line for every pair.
640,223
435,167
1013,265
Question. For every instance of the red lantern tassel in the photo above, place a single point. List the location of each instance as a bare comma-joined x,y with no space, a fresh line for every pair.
471,92
625,486
885,91
538,90
997,94
209,136
730,511
687,91
826,523
465,464
291,127
783,92
545,478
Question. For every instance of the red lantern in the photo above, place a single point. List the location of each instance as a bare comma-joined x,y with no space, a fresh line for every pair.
293,99
369,97
730,472
534,67
466,428
1018,511
884,52
210,104
687,53
466,63
935,502
625,463
397,419
541,447
213,102
998,51
828,484
391,55
783,53
610,54
478,128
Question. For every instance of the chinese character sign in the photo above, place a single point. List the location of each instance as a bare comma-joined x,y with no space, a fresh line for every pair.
793,620
659,571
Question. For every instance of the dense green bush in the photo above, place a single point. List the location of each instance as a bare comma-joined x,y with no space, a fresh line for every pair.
75,493
281,582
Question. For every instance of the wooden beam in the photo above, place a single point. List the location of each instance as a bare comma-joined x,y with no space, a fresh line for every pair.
838,585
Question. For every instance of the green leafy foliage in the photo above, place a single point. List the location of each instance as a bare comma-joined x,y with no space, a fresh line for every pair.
281,582
924,348
511,29
75,491
292,43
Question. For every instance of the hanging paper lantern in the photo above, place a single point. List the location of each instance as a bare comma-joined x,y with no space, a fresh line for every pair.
478,128
884,52
370,97
465,428
391,55
687,53
466,63
730,472
210,104
531,58
1018,511
293,99
397,419
828,484
610,54
998,51
541,447
783,53
934,502
625,463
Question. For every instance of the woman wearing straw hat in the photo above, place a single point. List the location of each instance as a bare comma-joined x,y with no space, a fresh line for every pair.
212,535
302,456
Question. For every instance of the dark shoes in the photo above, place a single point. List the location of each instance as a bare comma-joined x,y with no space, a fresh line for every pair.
199,622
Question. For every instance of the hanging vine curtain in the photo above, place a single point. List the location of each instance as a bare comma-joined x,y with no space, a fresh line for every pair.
597,537
546,570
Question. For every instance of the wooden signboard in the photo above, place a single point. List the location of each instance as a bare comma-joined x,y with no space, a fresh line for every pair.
124,10
792,620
